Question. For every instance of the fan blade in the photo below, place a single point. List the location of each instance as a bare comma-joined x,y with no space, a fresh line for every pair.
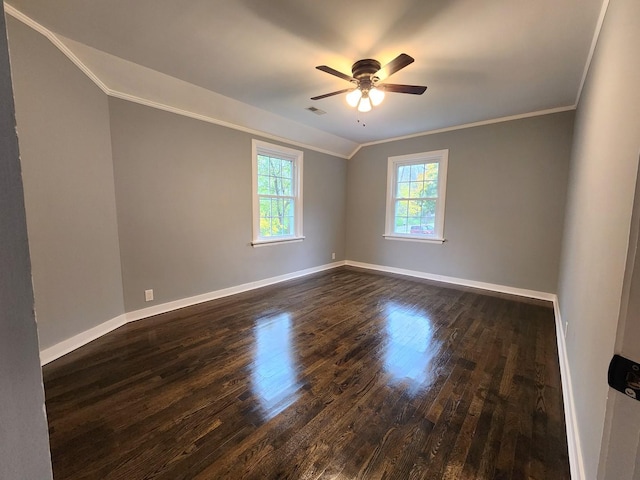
335,72
395,88
319,97
394,65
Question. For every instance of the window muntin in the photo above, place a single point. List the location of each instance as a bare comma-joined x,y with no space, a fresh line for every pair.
416,187
277,193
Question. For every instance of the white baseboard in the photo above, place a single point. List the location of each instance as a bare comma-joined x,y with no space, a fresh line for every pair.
70,344
225,292
493,287
576,461
66,346
573,440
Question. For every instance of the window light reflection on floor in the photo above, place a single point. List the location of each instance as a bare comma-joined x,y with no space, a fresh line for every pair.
410,346
274,372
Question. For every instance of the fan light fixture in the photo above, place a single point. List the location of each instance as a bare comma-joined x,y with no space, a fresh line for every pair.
365,100
366,90
365,104
353,98
376,95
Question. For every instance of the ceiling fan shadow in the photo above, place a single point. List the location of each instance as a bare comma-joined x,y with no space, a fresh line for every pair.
295,17
453,76
411,18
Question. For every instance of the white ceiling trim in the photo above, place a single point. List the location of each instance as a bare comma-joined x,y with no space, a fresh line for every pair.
469,125
55,39
592,49
205,118
18,15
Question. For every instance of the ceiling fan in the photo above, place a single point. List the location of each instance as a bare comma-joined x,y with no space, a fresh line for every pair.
367,91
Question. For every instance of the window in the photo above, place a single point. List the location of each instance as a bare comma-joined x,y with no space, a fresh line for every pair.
416,187
277,194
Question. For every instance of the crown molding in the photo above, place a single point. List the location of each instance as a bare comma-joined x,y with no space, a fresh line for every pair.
468,125
58,43
592,49
18,15
208,119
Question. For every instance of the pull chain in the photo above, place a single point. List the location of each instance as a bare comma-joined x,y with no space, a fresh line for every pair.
360,122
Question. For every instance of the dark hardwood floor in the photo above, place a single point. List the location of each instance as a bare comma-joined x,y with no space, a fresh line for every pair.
344,374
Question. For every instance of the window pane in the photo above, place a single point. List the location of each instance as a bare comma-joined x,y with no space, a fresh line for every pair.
414,221
263,185
403,190
415,190
415,208
278,183
287,225
287,168
430,227
287,187
273,188
417,172
274,166
429,207
263,165
288,208
415,217
402,208
265,227
401,225
421,230
404,173
431,189
417,181
275,227
265,208
431,171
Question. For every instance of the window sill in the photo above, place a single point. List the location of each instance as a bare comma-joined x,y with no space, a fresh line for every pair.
266,243
408,238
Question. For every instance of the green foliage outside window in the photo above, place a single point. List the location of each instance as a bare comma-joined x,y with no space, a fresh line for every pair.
416,198
276,196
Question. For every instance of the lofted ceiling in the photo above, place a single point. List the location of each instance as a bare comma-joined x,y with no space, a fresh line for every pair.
480,60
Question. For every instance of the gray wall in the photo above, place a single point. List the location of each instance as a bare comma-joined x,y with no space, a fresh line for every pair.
601,191
620,450
63,130
183,190
24,441
506,191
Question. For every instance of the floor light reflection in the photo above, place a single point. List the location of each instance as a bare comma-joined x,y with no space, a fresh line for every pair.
410,346
273,371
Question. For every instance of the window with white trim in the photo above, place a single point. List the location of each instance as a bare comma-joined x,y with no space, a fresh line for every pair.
416,187
277,193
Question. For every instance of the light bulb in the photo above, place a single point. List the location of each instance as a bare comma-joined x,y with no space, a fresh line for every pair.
376,95
353,97
364,105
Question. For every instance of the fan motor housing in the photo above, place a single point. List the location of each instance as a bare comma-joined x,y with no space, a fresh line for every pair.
365,69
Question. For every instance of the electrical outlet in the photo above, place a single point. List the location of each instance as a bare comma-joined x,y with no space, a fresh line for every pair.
333,256
148,295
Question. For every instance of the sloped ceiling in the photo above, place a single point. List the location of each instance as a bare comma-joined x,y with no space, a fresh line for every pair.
252,62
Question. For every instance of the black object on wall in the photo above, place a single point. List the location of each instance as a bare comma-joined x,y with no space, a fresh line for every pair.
624,376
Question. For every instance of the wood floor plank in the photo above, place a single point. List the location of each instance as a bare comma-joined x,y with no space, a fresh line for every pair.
343,374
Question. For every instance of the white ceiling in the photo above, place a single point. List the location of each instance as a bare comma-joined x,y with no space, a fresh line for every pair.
481,60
